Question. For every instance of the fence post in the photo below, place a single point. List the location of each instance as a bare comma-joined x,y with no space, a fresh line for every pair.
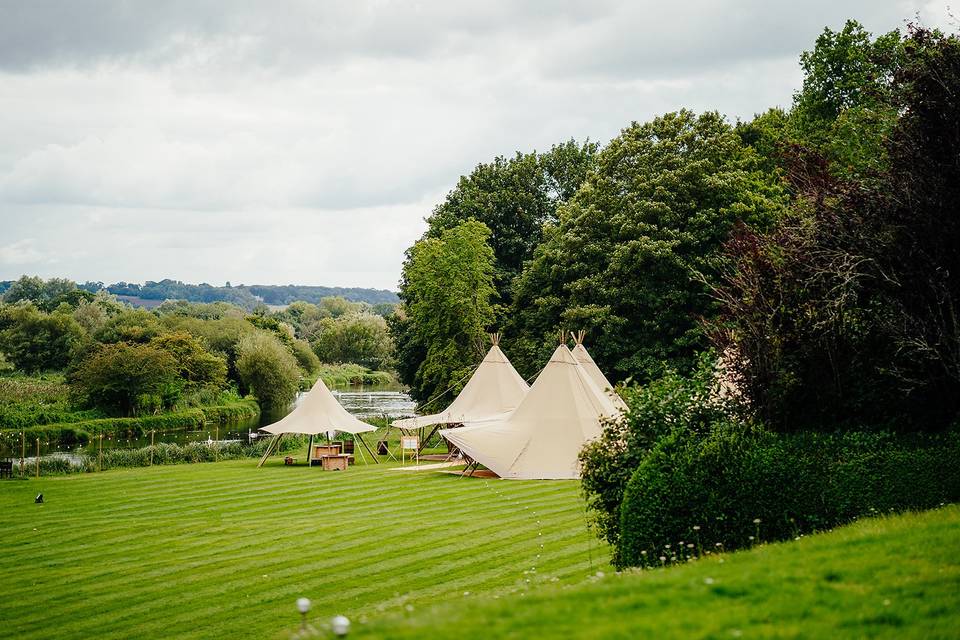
216,444
153,431
100,453
38,457
23,452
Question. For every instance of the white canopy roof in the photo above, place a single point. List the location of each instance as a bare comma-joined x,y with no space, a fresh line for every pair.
494,389
583,357
542,438
319,412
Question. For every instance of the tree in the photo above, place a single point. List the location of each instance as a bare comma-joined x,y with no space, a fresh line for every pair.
447,290
123,376
515,197
845,108
267,369
196,366
844,315
130,325
35,341
363,339
630,255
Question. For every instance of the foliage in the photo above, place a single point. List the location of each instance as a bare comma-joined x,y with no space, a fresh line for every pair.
36,341
25,402
130,325
341,375
447,290
195,365
305,356
81,429
516,197
633,250
844,314
735,487
126,377
690,405
268,369
845,108
359,338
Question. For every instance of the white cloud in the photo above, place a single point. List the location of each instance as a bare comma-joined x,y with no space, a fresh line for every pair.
305,142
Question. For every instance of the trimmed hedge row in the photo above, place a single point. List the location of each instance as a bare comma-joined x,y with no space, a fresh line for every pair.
736,487
163,454
81,432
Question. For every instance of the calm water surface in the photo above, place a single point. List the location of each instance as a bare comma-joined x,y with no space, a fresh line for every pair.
363,402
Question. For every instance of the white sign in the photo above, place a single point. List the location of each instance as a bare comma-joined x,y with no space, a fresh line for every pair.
409,443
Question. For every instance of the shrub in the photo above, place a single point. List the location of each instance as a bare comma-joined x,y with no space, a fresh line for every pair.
688,404
739,485
305,356
268,369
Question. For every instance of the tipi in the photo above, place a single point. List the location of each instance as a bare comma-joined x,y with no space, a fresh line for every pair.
542,438
581,355
494,389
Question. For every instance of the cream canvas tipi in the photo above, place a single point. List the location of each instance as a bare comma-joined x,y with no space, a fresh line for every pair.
581,355
494,389
542,438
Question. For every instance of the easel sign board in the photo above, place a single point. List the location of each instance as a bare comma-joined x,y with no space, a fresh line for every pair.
409,443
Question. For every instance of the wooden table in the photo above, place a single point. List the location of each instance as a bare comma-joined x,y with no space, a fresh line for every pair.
320,451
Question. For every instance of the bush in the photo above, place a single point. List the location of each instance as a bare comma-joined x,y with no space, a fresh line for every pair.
305,356
738,486
268,369
687,404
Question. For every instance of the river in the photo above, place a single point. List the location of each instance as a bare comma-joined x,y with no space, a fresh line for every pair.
363,402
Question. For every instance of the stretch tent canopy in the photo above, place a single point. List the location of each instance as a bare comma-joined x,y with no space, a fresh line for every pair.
581,355
542,438
318,412
494,389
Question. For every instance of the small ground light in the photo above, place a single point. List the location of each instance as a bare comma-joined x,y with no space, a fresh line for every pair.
340,626
303,606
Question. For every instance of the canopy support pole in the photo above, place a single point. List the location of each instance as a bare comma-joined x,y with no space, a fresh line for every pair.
310,451
266,454
358,449
423,443
367,447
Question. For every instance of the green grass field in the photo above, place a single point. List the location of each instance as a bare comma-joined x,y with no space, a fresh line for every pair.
223,550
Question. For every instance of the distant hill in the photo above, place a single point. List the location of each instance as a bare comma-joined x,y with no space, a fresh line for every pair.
247,296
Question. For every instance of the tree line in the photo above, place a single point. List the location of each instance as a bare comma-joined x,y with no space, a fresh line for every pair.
777,297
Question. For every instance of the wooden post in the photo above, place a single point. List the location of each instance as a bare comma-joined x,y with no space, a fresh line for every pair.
310,451
152,431
38,457
100,454
23,452
216,443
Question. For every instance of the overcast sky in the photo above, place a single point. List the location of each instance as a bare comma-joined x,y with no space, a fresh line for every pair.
305,141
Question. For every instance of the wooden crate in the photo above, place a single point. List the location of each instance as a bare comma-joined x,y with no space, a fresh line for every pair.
335,463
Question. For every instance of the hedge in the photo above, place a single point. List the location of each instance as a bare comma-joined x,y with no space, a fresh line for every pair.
737,487
81,432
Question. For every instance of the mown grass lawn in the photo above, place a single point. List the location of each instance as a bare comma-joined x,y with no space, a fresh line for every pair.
223,550
891,577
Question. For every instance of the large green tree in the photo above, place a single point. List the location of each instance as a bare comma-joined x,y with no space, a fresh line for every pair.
122,377
36,341
360,338
634,250
515,197
447,292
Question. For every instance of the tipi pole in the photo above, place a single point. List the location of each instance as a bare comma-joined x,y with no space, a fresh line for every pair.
310,451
